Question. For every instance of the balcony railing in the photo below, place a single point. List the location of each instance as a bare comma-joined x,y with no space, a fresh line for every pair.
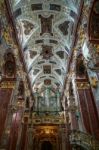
84,140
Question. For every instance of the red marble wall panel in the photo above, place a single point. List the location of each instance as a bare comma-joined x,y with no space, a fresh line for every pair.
26,143
5,95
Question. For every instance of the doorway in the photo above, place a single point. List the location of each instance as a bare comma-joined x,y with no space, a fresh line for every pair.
46,145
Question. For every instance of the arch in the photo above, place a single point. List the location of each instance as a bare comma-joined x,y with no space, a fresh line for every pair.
21,89
80,67
93,27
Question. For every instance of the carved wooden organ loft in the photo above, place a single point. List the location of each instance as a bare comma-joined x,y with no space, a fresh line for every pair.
49,74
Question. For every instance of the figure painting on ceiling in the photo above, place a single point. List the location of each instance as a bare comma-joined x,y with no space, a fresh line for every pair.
46,24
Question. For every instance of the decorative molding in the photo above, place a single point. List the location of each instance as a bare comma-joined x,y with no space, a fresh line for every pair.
48,120
94,82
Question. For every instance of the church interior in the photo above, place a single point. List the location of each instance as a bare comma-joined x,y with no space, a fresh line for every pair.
49,74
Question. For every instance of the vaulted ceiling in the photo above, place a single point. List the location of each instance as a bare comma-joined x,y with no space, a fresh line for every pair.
45,31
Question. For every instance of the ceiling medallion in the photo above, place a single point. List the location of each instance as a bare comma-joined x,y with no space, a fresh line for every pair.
47,82
46,52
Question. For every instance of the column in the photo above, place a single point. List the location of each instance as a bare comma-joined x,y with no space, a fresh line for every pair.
58,99
72,108
47,92
36,101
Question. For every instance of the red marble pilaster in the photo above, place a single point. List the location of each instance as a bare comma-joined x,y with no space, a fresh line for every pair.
93,114
74,123
97,103
16,122
84,110
23,141
5,95
89,112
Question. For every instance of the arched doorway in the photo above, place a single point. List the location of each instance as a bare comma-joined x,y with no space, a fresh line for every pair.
46,145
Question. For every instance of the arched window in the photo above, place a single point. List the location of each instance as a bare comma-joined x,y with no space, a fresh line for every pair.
9,66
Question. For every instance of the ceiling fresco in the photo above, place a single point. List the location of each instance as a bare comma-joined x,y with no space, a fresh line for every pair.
45,31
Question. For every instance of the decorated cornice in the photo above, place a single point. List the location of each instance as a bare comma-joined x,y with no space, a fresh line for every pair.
81,138
7,84
83,85
21,69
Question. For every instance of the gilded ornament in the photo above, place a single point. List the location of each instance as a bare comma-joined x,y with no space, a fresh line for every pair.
83,85
94,82
7,84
